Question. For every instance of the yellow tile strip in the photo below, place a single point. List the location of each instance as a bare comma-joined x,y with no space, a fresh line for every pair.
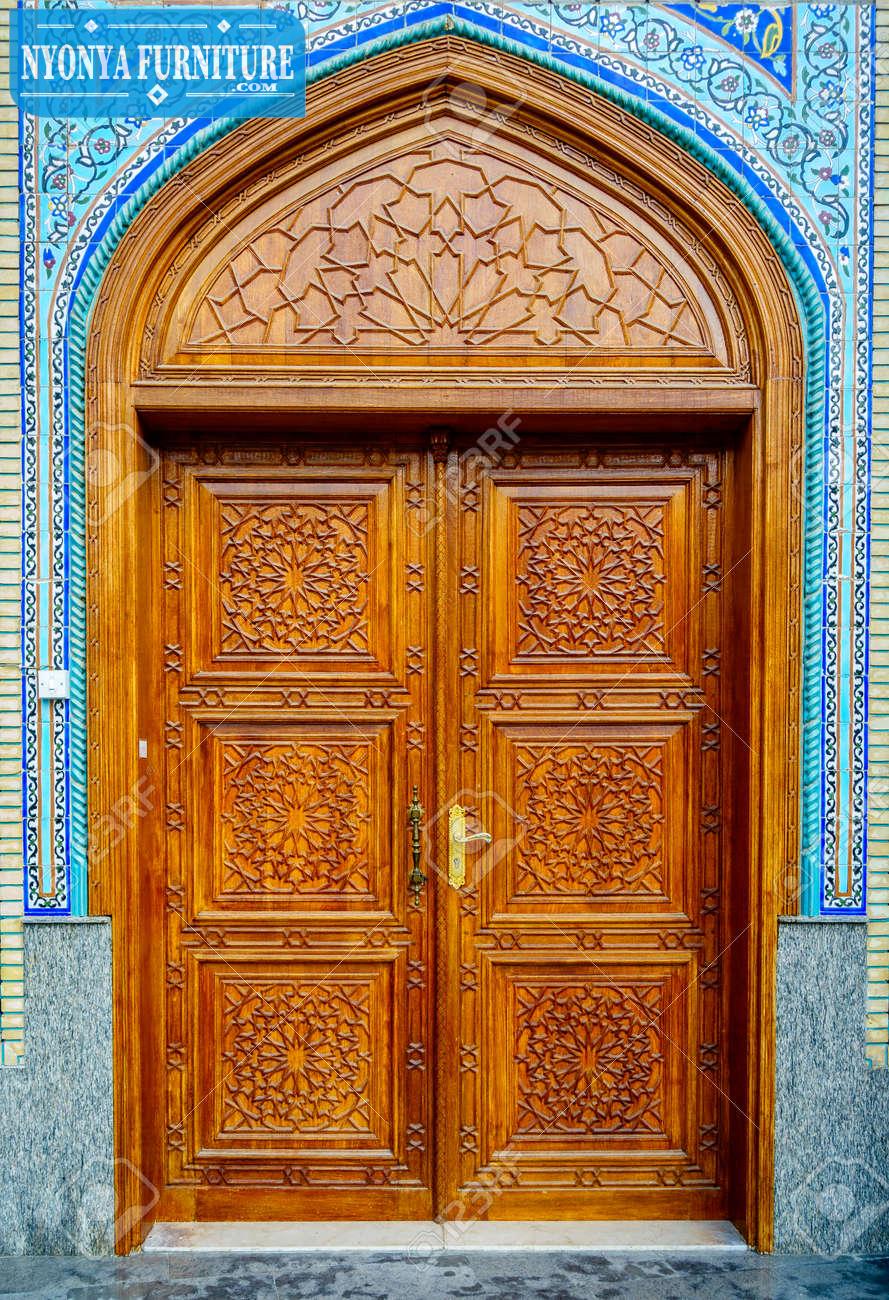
11,938
877,1030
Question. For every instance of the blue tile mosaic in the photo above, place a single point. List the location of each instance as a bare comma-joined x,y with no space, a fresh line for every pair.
776,96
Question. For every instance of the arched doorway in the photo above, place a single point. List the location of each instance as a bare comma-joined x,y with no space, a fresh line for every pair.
464,464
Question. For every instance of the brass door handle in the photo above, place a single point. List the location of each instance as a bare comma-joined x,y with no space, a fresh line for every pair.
416,880
457,841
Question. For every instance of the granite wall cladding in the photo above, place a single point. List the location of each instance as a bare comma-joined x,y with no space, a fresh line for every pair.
832,1121
831,1146
56,1136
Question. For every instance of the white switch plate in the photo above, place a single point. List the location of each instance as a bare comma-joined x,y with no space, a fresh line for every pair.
53,684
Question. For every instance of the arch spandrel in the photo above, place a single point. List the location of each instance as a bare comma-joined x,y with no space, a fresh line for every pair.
434,249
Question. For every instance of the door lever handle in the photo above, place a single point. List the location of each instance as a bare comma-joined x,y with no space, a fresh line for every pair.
416,880
457,840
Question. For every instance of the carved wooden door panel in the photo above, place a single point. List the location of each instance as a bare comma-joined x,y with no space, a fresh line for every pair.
584,997
574,711
296,971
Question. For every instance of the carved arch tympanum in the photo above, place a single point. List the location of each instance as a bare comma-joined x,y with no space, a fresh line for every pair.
417,240
438,248
400,250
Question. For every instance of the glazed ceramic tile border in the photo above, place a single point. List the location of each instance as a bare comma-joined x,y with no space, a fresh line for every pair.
803,157
833,767
878,783
11,981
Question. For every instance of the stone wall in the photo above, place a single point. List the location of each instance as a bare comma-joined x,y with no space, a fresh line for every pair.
56,1109
832,1106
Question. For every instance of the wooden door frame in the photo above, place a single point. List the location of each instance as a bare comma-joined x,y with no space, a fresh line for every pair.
127,399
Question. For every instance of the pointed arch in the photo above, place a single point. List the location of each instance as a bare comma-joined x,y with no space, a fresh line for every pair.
159,355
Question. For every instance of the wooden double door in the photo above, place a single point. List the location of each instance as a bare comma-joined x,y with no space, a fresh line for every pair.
534,637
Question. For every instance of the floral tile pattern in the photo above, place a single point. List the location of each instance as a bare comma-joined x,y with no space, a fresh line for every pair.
763,33
779,94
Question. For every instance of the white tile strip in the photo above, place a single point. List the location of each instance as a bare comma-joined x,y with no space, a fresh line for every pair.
422,1238
627,1234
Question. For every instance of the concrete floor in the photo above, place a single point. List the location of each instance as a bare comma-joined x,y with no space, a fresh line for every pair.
714,1276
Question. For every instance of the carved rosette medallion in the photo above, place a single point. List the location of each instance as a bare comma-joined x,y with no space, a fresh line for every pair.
588,1059
592,819
296,1058
313,804
294,577
590,580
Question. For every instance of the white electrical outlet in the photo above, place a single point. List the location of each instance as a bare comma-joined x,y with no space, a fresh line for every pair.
53,684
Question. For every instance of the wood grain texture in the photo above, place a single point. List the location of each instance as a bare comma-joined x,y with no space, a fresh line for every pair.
589,945
751,399
295,1040
440,247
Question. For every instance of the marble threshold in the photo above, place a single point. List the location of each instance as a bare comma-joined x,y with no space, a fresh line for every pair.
420,1238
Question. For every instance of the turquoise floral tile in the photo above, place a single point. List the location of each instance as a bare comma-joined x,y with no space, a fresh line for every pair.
774,99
